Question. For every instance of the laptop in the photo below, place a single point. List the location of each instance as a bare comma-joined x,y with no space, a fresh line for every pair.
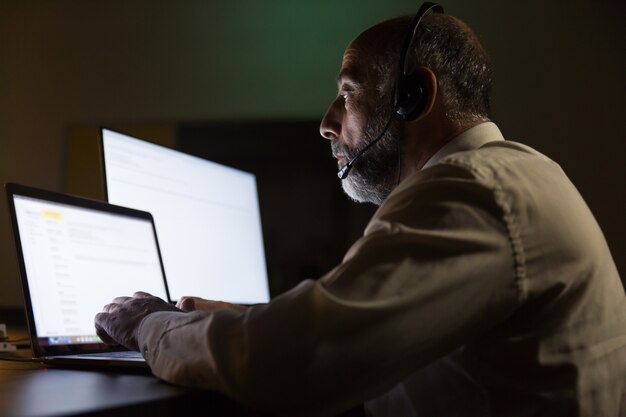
75,256
206,215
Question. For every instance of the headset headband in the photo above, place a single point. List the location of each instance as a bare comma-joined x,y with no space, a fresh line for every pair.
402,71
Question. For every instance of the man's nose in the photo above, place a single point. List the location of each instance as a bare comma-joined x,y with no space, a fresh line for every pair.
330,127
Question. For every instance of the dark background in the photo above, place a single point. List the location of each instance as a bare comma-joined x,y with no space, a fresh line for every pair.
245,82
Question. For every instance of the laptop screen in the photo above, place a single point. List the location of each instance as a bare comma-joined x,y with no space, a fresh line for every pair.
78,259
206,215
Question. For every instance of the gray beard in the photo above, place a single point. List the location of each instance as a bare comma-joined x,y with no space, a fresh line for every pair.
375,174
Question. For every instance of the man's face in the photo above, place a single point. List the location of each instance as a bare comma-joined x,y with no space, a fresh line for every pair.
355,118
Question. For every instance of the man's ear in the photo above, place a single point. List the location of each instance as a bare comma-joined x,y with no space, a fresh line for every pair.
427,81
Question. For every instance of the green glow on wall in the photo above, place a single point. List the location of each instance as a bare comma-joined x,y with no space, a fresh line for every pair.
275,58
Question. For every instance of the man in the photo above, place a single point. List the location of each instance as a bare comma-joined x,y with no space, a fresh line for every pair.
482,285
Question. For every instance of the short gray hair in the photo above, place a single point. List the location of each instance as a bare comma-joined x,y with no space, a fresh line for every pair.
452,51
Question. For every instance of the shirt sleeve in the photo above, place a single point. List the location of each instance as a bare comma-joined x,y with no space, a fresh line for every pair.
434,269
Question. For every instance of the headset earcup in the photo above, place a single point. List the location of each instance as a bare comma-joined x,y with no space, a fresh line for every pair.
411,98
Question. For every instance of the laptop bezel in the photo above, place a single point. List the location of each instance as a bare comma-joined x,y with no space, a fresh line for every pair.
12,190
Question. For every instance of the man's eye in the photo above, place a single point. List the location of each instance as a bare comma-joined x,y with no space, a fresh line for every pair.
346,94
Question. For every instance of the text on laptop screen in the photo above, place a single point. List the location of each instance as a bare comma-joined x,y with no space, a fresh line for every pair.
78,259
206,215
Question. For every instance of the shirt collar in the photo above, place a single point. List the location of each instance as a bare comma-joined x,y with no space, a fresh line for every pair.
472,138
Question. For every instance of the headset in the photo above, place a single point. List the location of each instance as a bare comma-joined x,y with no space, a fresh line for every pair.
409,96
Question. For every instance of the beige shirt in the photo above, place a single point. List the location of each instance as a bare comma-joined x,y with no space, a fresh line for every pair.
481,286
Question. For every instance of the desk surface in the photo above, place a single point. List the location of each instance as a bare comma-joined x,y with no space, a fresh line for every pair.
29,389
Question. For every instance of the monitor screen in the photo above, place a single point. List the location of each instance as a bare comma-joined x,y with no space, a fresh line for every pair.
77,260
206,215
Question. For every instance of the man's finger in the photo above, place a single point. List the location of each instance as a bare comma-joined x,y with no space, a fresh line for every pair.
141,294
110,307
120,300
102,334
186,304
105,337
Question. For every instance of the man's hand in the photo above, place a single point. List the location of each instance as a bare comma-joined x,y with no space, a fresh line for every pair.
119,321
200,304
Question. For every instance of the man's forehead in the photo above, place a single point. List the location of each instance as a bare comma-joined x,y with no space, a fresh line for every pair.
354,66
362,58
359,58
350,74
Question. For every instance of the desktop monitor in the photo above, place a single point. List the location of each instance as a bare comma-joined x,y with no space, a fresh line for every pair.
206,215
